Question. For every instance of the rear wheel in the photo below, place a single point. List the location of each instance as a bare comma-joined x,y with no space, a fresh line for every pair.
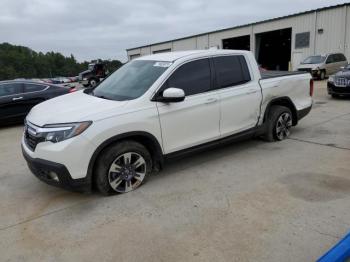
93,82
122,168
279,123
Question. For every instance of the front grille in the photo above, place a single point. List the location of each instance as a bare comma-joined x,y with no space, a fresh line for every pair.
30,139
341,82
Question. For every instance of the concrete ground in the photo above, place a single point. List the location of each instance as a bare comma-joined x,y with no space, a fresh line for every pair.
251,201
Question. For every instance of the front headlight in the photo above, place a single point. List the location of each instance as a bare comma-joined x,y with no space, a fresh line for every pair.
331,79
60,132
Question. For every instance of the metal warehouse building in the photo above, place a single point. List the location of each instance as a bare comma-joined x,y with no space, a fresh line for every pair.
279,43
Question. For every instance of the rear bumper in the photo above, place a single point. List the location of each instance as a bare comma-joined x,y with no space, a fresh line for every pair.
303,112
335,90
44,169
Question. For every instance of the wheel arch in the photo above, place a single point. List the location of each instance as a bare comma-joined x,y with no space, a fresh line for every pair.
144,138
282,101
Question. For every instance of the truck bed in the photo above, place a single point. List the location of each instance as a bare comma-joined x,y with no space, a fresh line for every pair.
274,74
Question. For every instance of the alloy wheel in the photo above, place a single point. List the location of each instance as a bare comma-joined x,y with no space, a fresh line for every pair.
127,172
284,123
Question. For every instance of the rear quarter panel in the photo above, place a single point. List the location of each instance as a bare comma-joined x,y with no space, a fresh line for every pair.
295,87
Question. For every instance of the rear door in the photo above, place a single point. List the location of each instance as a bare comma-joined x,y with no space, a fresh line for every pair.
331,65
195,120
240,96
11,96
33,95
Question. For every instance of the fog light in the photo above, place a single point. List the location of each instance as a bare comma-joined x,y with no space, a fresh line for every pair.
53,176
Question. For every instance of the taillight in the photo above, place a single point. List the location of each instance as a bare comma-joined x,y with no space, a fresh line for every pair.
311,87
71,90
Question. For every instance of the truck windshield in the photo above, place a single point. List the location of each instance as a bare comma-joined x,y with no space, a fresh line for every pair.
131,80
317,59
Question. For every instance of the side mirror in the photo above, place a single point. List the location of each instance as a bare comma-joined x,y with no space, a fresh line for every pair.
172,95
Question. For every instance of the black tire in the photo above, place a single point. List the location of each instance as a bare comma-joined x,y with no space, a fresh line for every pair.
108,157
93,82
86,85
335,96
273,117
323,75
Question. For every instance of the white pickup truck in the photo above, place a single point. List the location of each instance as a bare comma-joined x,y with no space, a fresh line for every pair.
157,107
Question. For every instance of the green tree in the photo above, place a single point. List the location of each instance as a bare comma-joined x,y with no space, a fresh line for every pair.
22,62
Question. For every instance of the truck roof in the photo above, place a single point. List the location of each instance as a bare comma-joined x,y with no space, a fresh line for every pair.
172,56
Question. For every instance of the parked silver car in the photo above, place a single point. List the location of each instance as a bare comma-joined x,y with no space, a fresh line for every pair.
320,66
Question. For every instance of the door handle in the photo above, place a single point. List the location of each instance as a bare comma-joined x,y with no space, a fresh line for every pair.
17,98
251,92
211,100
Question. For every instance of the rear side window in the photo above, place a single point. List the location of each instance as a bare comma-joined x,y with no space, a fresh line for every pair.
231,71
193,77
33,88
340,58
10,89
343,58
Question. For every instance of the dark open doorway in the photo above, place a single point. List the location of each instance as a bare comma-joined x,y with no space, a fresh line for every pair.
237,43
273,49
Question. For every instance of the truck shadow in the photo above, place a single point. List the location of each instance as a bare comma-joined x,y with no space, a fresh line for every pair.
201,157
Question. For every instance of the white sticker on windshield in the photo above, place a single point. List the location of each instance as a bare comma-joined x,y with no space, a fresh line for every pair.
162,64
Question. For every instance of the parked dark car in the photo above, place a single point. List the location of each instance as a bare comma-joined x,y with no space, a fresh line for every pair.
339,84
17,97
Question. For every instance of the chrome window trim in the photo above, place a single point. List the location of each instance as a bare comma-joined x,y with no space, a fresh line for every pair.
23,93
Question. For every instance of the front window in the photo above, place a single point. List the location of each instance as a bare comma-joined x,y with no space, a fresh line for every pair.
317,59
91,67
131,80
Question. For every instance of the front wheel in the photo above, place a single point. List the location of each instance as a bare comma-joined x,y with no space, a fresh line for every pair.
323,75
122,167
279,123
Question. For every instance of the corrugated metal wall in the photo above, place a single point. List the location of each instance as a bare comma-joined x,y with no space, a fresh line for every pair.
328,33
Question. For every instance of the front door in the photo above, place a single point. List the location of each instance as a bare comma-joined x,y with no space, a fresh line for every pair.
11,102
195,120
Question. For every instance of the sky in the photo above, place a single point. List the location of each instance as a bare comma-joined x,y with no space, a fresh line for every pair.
105,28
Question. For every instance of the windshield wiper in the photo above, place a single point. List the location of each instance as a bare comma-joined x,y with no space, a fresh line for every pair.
103,97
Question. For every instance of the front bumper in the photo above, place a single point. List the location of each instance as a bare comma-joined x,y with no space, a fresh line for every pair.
336,90
84,82
316,73
45,171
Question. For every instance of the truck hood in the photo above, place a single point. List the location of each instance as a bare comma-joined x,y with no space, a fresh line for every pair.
85,72
73,107
343,73
312,66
